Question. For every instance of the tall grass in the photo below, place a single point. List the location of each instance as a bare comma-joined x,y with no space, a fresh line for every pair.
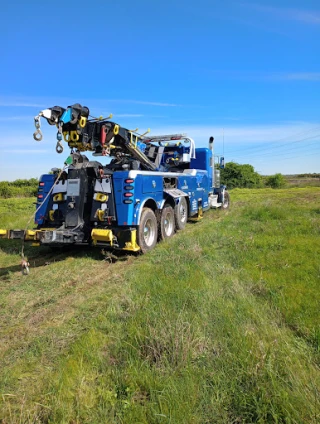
217,325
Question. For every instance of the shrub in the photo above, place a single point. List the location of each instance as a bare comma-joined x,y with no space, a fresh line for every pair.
18,188
275,181
242,176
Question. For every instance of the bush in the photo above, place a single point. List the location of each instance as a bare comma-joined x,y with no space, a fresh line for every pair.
18,188
241,176
275,181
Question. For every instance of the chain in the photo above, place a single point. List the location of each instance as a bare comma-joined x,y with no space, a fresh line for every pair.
59,147
37,135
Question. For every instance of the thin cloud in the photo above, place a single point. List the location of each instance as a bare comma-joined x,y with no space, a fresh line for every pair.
300,15
12,103
94,103
14,118
265,76
127,115
237,135
304,76
290,76
143,102
25,151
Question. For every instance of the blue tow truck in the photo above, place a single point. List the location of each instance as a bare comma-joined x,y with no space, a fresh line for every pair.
148,190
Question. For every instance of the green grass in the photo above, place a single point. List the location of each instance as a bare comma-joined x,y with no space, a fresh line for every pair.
15,213
220,324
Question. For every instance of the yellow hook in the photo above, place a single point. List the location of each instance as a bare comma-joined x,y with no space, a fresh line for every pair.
82,121
66,136
74,136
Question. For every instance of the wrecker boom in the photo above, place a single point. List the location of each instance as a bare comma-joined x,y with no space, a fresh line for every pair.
101,136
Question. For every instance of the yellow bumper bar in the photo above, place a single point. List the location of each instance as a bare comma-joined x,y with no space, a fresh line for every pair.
107,236
97,236
4,234
27,235
104,236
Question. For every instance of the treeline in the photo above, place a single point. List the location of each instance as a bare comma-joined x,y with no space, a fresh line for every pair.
314,175
19,188
235,175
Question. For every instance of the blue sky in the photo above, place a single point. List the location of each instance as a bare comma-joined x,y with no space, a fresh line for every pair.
247,73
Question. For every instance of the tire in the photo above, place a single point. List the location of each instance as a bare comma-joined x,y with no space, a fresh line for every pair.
181,213
167,223
147,230
226,201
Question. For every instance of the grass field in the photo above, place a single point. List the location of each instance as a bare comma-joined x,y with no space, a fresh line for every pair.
296,181
220,324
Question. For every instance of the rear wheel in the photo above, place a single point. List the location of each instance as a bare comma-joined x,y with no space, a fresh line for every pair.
181,213
167,223
147,231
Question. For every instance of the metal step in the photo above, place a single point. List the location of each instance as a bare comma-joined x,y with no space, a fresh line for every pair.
213,201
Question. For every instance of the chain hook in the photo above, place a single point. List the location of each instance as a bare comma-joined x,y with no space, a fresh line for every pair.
37,135
59,147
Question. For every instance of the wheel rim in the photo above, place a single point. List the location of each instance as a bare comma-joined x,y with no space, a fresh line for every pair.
183,213
168,223
149,232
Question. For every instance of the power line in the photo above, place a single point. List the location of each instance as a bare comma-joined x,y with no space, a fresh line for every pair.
294,157
275,153
282,139
276,157
275,148
270,147
275,142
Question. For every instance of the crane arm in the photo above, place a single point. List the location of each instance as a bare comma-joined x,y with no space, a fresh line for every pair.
101,136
